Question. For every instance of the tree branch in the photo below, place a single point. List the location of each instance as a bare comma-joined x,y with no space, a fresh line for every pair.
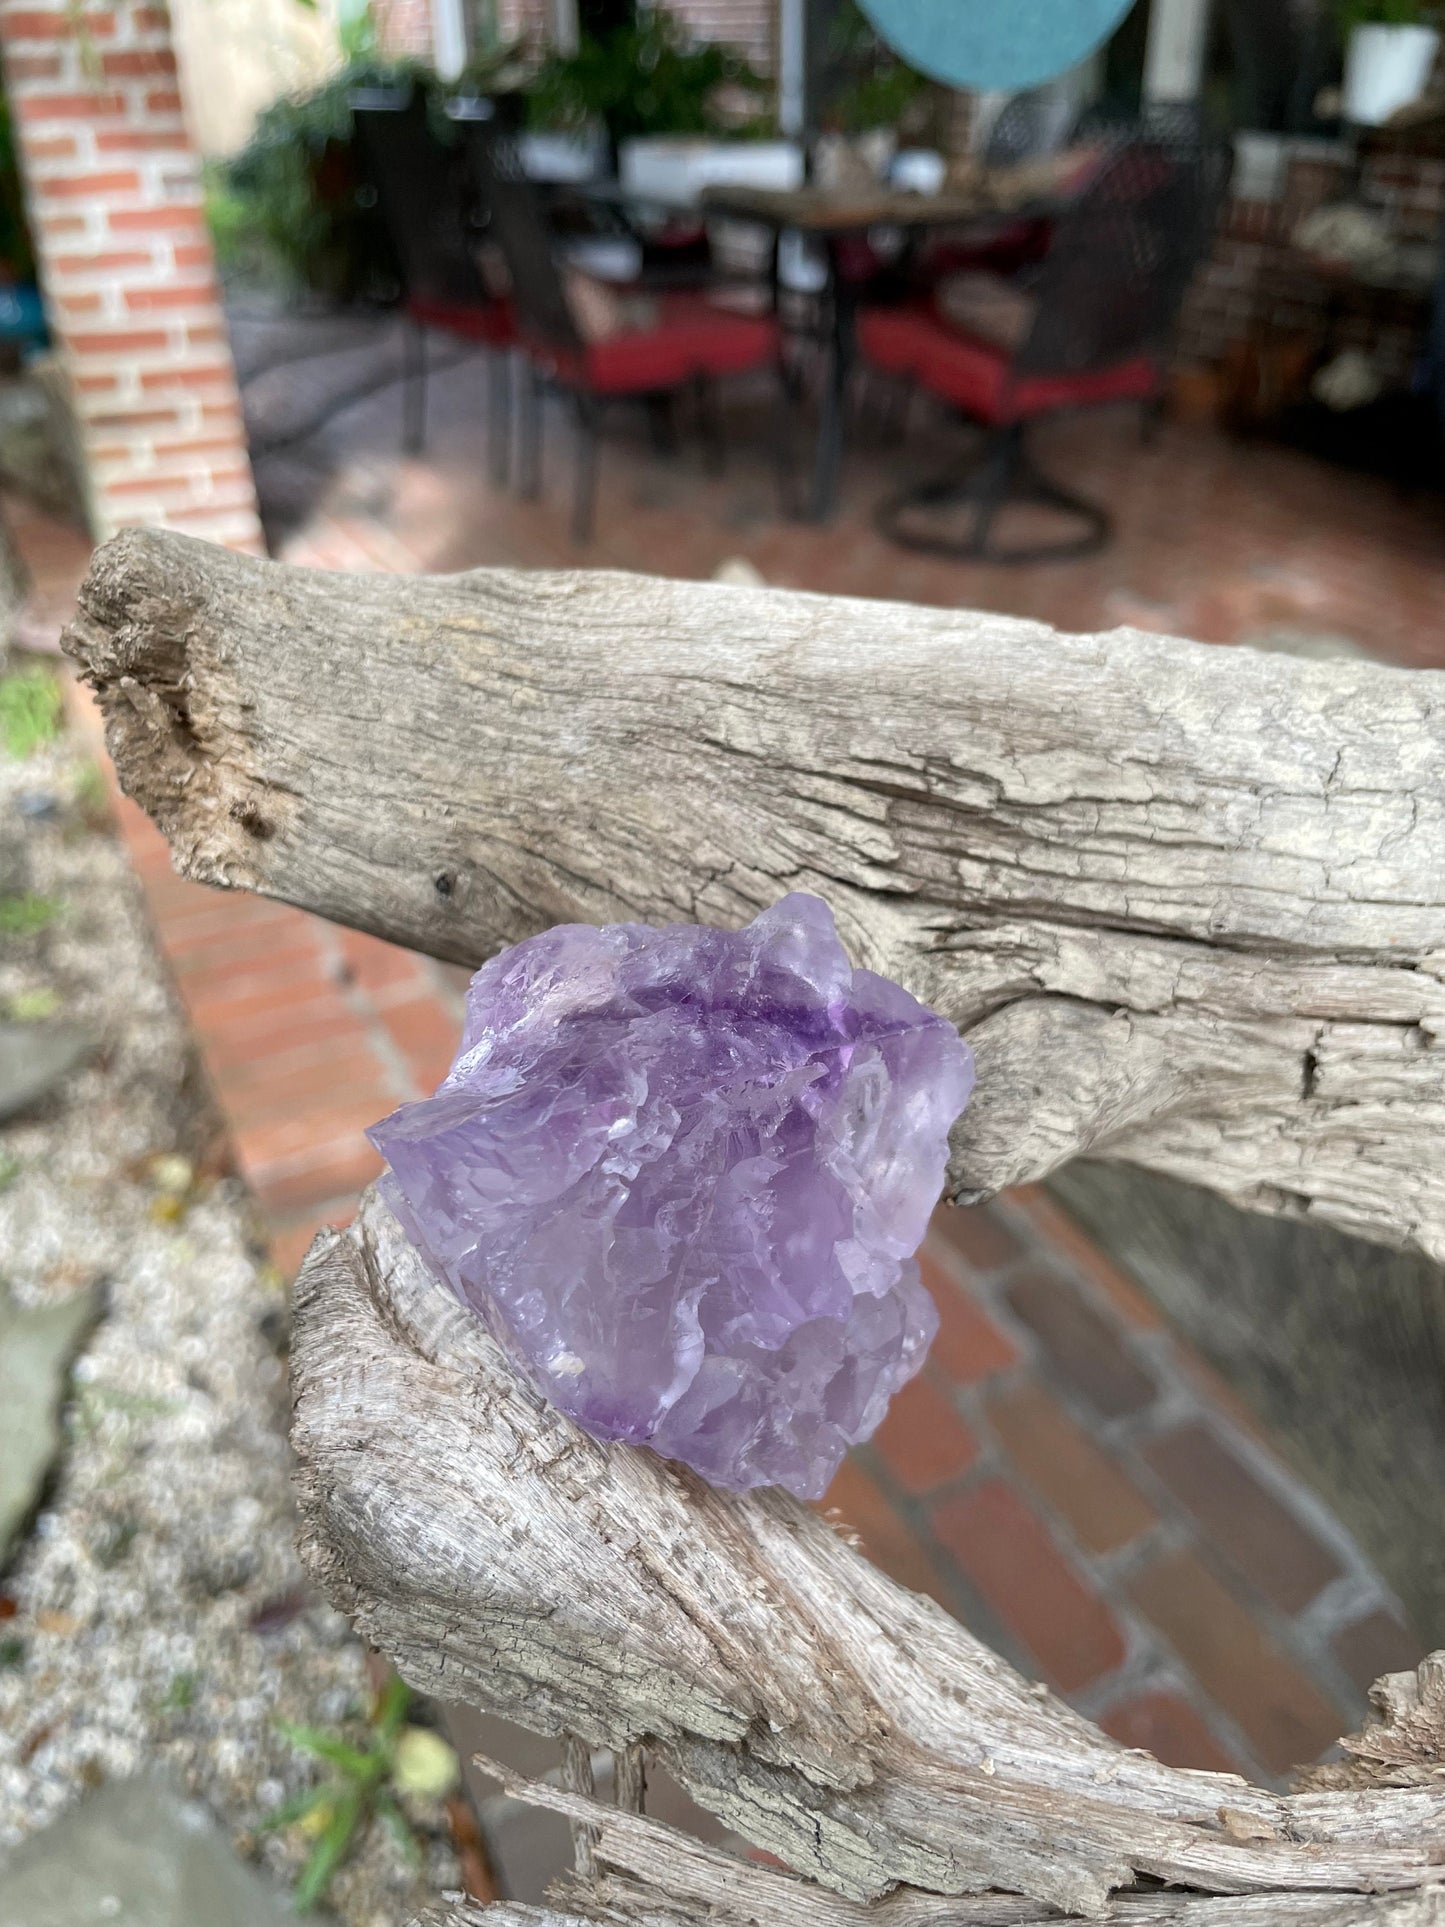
502,1557
1189,903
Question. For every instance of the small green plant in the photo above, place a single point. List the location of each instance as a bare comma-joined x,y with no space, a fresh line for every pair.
868,86
10,1169
365,1784
24,915
181,1693
33,1006
30,710
88,793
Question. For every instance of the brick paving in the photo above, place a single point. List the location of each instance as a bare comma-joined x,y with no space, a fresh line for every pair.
1218,539
1065,1475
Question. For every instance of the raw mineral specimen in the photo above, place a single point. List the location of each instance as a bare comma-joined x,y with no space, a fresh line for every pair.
681,1174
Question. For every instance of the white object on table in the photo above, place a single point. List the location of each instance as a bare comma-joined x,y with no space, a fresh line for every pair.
562,157
676,170
1386,68
918,170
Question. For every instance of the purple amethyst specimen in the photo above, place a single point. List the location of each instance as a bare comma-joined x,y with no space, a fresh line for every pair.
681,1174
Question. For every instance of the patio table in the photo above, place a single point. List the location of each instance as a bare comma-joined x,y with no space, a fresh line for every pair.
828,216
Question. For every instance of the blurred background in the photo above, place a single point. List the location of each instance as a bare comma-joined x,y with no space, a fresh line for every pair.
718,288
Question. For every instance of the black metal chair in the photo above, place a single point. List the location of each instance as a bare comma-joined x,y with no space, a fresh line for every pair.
1029,125
422,190
1096,330
689,344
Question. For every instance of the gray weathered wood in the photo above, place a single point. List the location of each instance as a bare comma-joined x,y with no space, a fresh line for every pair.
629,1905
1187,903
502,1557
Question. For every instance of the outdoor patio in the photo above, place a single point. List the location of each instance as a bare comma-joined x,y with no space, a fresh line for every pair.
1217,538
1083,1474
1069,1477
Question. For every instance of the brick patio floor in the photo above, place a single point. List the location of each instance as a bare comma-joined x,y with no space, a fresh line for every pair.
1066,1475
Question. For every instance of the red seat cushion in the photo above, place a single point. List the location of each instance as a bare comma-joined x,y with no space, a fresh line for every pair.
488,321
975,376
690,337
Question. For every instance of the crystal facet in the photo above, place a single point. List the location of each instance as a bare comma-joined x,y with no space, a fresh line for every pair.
681,1174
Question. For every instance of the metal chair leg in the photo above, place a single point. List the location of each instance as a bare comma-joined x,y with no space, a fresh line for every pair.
661,423
413,418
790,396
584,501
709,421
529,463
499,413
1005,473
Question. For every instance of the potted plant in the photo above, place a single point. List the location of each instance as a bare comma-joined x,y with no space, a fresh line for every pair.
643,82
1390,50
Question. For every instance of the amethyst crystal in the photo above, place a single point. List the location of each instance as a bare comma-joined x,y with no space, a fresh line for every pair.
681,1174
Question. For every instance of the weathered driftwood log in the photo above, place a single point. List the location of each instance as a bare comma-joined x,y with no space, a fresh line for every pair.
1189,908
502,1557
1188,904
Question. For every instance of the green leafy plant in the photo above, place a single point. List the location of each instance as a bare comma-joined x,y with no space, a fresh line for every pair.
17,252
366,1781
1384,13
26,914
34,1006
30,711
293,205
868,86
645,79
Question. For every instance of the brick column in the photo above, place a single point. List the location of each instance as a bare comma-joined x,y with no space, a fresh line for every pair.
129,280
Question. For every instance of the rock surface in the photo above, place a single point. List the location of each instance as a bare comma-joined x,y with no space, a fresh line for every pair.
134,1855
155,1617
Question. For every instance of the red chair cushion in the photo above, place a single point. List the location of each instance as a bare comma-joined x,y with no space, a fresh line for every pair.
690,337
1016,245
489,321
975,376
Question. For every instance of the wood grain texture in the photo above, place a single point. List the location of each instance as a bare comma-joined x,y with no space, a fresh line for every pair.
502,1557
1188,904
1188,908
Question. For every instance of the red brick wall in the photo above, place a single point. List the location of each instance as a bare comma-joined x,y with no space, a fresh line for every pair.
129,280
405,27
522,19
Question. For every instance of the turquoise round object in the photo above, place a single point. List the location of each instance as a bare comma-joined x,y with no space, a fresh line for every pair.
994,44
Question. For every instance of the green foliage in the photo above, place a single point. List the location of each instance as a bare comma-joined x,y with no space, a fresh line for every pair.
24,915
17,254
869,86
89,794
1384,13
181,1693
33,1006
288,204
646,79
363,1785
30,711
